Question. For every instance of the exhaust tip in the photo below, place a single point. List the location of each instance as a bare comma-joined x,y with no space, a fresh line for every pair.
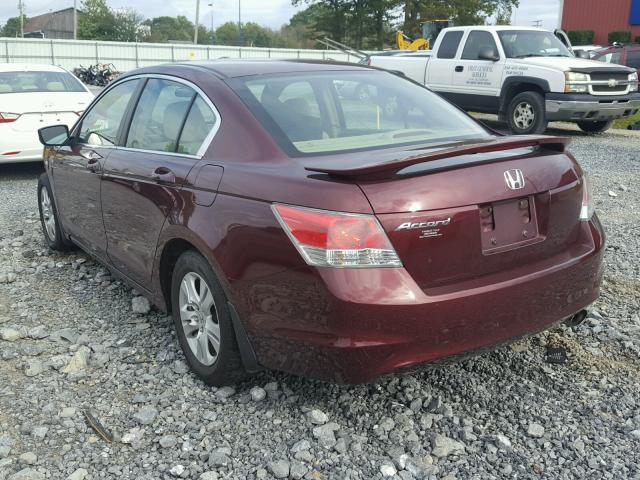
576,319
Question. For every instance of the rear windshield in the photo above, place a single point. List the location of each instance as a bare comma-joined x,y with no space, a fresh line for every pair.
331,112
33,81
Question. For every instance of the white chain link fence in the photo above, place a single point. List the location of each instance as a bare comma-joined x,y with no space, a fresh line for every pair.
70,54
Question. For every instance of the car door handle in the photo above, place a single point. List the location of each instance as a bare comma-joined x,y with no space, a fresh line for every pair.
163,175
459,68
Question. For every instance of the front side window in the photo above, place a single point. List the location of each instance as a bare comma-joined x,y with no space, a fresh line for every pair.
101,123
532,43
38,81
159,115
476,42
449,45
331,112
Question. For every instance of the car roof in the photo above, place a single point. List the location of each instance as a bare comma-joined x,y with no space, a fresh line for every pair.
230,68
29,67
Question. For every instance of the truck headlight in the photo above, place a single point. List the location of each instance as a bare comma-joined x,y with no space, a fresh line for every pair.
576,82
633,79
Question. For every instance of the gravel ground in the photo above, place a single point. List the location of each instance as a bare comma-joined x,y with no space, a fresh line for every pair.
71,343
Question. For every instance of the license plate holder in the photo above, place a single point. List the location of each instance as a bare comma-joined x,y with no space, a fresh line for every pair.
508,224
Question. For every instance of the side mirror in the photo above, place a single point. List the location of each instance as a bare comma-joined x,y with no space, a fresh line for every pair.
488,53
581,54
54,136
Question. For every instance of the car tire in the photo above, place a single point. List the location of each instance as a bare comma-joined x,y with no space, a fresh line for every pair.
203,322
595,127
49,218
526,114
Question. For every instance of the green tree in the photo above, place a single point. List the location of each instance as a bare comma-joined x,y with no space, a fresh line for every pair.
164,29
12,27
97,21
127,25
227,34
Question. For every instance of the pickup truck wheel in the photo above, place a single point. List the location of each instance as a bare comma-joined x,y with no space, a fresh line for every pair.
526,114
595,127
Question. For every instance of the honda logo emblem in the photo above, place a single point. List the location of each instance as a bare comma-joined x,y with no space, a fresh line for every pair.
514,179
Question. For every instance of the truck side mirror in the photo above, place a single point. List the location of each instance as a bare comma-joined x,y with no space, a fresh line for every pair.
488,53
581,54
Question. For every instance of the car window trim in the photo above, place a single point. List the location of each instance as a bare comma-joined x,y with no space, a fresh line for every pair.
205,144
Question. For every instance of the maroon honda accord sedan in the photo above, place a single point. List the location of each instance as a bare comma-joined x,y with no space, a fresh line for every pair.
288,226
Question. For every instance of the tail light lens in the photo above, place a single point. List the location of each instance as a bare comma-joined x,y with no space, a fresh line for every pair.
332,239
8,117
588,207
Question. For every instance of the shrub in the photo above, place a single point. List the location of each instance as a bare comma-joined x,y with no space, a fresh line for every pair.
637,40
621,36
580,37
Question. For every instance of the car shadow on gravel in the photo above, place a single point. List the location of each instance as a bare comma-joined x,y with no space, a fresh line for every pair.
20,171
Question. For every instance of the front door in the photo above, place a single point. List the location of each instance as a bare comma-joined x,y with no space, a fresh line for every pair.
143,178
478,79
77,168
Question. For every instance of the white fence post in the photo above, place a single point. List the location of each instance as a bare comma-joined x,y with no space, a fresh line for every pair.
53,57
6,49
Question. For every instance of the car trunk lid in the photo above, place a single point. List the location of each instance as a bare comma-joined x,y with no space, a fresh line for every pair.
460,214
39,109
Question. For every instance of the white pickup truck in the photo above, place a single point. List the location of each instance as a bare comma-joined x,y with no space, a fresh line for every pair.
528,76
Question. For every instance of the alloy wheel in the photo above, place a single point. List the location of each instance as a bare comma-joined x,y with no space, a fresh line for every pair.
524,115
199,319
48,217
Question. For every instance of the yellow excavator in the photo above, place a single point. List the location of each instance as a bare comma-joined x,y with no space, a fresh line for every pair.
430,31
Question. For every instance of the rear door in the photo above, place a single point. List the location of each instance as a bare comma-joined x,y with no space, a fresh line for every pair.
169,128
77,168
441,66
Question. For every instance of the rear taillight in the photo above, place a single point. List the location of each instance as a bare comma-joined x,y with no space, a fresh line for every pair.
332,239
588,207
8,117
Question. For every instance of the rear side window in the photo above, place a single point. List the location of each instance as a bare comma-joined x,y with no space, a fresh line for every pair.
449,45
476,41
200,121
34,81
159,115
633,58
101,123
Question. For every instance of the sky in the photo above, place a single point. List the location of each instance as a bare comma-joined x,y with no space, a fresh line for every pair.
272,13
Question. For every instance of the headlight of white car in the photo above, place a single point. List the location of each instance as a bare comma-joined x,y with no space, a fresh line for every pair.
575,82
633,78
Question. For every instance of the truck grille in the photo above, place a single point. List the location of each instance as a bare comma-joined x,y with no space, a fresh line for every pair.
617,77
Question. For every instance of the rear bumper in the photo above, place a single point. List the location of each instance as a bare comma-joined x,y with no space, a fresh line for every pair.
577,107
350,326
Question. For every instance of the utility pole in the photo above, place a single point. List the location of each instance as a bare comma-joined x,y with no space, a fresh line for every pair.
21,9
537,23
213,34
75,19
239,24
195,33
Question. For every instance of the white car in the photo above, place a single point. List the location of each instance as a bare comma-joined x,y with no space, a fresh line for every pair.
32,97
